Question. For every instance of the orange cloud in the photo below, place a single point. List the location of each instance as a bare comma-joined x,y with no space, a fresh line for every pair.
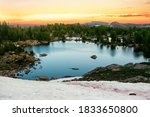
135,15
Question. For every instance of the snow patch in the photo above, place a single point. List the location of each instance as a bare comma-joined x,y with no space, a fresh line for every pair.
12,89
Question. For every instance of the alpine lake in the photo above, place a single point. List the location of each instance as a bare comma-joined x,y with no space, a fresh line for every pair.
74,58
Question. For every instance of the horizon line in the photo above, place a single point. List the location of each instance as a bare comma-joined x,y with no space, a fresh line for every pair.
11,23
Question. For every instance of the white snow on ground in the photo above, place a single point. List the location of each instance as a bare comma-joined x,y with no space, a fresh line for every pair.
76,90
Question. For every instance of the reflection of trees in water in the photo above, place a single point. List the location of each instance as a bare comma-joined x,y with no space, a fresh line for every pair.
63,40
41,49
137,54
101,46
112,51
107,49
147,55
127,50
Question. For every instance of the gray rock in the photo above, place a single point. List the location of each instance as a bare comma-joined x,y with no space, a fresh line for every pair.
43,78
113,67
141,66
43,55
147,72
137,79
53,78
68,76
26,71
44,42
129,65
75,68
37,59
132,93
94,57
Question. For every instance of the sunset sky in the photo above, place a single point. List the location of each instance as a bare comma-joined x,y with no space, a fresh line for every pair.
74,11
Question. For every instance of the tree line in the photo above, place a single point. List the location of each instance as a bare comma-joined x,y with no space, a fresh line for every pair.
139,37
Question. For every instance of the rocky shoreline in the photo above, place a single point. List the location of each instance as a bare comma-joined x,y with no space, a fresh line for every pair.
132,73
12,62
30,43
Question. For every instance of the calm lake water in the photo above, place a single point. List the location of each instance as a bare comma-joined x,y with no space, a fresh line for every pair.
61,57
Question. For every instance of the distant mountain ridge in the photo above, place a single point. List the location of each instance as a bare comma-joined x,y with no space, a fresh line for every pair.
96,23
115,24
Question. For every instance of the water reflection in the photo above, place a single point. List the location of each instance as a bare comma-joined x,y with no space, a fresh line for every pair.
112,51
61,56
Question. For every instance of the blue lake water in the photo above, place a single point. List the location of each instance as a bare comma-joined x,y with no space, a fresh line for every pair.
62,56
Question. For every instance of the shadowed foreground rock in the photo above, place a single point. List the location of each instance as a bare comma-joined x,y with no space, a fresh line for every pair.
133,73
10,63
137,79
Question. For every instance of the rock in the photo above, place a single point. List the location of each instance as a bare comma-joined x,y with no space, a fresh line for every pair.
147,72
18,75
145,63
132,93
17,45
94,57
26,71
43,55
68,76
43,78
137,79
44,42
12,62
113,67
39,62
75,68
37,59
27,43
129,65
11,52
8,73
53,78
141,66
19,60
